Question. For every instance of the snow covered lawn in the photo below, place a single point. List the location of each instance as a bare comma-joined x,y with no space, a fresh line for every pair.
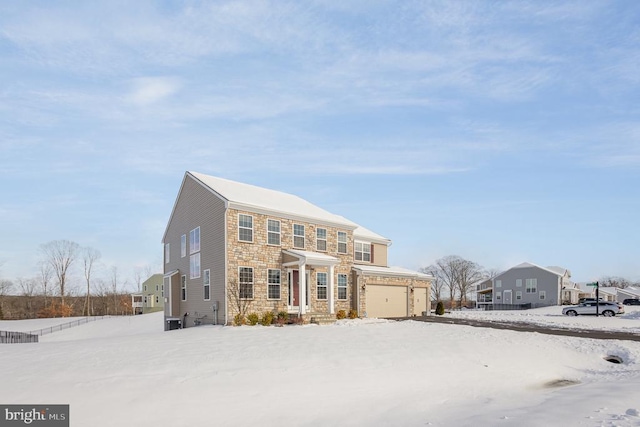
128,372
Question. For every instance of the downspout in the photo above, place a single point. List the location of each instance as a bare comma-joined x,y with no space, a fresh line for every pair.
226,265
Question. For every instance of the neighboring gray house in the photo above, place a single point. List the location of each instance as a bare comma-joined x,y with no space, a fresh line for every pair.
528,283
230,245
631,292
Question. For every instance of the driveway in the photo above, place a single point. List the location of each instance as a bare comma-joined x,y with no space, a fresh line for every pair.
526,327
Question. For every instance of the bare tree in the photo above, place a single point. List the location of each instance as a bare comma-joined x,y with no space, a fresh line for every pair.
45,273
615,282
137,277
89,257
455,275
113,281
469,274
240,298
5,289
437,284
60,254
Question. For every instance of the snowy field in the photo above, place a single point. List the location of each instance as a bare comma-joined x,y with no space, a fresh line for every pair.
128,372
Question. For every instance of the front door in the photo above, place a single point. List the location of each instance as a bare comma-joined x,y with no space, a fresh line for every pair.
294,289
507,297
295,284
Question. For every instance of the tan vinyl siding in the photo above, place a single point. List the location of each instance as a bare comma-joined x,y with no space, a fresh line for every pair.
199,207
379,253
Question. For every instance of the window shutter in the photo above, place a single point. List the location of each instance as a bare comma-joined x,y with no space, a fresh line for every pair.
371,253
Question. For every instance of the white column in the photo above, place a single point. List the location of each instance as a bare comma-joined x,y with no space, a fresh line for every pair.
302,280
331,298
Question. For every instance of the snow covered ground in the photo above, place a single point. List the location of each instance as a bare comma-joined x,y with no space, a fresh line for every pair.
553,317
126,371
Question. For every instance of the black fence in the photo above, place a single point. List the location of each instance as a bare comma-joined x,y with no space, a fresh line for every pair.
490,307
73,323
8,337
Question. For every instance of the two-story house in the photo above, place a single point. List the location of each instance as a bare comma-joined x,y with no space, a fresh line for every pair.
229,244
528,285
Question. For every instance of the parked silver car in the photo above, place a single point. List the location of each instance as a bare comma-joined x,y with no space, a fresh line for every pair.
606,308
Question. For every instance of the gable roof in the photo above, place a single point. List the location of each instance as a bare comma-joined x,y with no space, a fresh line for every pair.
558,271
251,198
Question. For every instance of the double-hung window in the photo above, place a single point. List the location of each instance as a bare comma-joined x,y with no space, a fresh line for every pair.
246,282
321,285
342,242
298,236
245,228
167,253
194,250
273,232
206,285
342,286
273,291
531,286
321,239
183,288
183,245
363,252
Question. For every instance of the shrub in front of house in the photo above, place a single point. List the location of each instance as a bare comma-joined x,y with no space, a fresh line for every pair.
440,308
267,318
239,320
253,319
282,318
341,314
353,314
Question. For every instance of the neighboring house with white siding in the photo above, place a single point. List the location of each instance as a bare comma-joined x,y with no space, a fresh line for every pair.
227,242
529,285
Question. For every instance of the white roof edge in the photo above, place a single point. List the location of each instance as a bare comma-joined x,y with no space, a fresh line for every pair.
390,271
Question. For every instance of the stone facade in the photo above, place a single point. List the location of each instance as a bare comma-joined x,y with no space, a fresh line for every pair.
262,256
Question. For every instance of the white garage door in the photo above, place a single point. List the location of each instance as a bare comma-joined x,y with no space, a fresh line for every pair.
386,301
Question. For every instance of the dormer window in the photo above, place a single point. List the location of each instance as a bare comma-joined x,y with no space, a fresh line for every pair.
363,251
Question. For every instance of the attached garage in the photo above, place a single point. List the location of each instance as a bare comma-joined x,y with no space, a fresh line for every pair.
419,301
386,301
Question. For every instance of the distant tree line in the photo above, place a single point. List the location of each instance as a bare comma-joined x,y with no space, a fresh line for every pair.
55,289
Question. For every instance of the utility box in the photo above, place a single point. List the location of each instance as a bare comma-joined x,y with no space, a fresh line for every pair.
172,323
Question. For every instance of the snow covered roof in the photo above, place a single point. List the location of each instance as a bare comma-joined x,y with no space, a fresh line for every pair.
262,200
312,258
390,271
370,236
558,271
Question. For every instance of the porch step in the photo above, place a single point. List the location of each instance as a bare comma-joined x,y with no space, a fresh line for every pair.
322,318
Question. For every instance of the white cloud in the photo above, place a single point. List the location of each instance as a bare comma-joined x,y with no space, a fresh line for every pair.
150,90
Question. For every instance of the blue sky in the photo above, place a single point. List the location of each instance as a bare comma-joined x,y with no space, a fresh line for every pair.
501,131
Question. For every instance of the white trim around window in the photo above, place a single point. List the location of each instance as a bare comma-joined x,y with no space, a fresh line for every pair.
362,251
194,266
298,236
321,239
321,286
167,253
206,285
342,286
543,295
273,286
342,242
245,228
183,287
245,282
518,295
194,240
273,232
